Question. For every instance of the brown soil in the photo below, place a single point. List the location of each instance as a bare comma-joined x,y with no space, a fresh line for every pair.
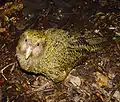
97,79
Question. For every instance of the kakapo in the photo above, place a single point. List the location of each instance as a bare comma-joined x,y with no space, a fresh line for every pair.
52,52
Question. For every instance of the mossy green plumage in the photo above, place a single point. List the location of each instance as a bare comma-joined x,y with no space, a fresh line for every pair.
60,50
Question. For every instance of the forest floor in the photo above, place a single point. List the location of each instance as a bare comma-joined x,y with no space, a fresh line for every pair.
97,79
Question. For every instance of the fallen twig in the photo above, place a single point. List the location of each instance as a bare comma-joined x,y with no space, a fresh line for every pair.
41,88
1,71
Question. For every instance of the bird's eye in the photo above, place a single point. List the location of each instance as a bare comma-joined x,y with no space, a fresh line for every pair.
25,40
37,44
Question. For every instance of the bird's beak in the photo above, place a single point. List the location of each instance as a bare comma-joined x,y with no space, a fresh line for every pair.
28,52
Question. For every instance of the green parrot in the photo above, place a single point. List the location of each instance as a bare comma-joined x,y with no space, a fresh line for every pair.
53,52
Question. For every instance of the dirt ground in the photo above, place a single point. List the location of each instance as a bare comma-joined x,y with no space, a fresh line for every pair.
96,79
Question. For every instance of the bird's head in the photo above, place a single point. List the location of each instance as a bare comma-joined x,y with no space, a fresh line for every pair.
31,43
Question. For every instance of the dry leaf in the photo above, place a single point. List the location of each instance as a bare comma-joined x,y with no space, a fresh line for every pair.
101,79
